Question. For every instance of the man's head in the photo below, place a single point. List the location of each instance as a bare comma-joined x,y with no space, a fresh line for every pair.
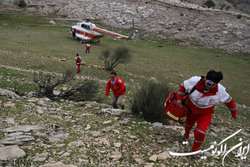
212,79
112,75
77,54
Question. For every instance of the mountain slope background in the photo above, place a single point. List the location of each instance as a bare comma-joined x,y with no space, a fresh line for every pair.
230,5
170,20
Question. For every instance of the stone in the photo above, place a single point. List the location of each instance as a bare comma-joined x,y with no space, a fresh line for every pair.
10,121
164,155
11,152
116,155
52,22
153,158
56,92
88,127
149,165
95,133
132,137
31,94
104,141
107,122
117,145
125,121
9,94
17,138
24,128
58,137
114,112
33,100
40,111
41,157
56,164
181,76
9,104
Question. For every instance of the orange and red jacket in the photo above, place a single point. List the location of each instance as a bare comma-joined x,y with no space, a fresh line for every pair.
202,101
117,87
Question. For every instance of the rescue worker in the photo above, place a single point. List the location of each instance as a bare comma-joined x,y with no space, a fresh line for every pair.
207,92
88,47
73,33
78,62
118,88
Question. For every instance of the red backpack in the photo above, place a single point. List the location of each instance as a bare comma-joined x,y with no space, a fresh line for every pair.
173,111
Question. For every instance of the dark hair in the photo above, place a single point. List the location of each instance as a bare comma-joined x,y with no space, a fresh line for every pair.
113,73
77,54
214,76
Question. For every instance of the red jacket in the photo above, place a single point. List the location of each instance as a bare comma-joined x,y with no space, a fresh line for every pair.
202,101
88,46
117,87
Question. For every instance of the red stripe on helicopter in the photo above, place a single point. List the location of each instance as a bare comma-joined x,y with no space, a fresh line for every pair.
109,33
89,35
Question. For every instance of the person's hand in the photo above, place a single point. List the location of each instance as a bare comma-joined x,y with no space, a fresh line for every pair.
178,102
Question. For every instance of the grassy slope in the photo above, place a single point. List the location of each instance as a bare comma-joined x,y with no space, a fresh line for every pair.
21,33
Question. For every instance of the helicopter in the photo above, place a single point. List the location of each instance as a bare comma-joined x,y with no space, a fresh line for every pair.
88,32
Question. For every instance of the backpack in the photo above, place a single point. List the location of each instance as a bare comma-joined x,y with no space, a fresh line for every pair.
173,111
78,60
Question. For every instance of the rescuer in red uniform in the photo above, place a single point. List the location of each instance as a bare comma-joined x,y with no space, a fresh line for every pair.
78,62
201,102
88,47
118,88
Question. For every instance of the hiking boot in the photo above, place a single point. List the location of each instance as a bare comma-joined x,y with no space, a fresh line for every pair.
194,157
115,106
183,139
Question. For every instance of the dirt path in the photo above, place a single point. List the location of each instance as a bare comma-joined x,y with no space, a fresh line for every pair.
47,72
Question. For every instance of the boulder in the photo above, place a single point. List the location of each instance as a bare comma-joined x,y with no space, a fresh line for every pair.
11,152
114,112
9,94
164,155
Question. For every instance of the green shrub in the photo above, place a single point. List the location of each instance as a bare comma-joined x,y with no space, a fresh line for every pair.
21,3
209,4
149,100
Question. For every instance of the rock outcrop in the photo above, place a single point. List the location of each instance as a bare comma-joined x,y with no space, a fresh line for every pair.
8,94
11,152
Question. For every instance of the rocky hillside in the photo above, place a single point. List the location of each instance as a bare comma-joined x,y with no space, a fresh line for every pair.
230,5
182,22
41,132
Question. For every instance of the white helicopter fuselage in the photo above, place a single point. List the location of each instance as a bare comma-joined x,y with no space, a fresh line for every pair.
84,32
87,31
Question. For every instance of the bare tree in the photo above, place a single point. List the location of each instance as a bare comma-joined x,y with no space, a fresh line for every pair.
82,91
48,82
121,55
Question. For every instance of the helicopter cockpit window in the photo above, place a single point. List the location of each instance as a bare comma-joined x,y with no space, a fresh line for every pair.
85,26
